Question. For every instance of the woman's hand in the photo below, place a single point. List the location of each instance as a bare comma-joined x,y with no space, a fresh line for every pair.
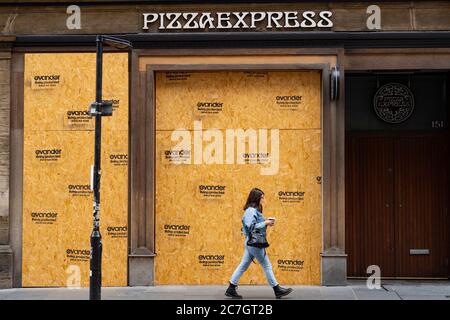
269,223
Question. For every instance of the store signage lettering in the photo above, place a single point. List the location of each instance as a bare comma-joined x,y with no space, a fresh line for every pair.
238,20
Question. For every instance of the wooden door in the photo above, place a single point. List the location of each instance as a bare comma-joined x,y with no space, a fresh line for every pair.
421,196
397,200
370,236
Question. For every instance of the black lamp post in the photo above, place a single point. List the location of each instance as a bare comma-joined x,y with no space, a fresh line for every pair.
98,109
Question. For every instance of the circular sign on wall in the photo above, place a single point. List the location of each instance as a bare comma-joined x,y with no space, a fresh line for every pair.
393,103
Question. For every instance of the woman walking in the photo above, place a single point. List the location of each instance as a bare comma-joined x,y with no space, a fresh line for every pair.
252,221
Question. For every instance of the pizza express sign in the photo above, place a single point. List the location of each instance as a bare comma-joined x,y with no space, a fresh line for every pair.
238,20
393,103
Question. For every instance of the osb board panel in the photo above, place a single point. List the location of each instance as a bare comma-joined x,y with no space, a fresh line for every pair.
248,99
114,208
60,103
57,201
61,186
200,233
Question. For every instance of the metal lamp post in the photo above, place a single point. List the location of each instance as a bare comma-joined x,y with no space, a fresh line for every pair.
99,108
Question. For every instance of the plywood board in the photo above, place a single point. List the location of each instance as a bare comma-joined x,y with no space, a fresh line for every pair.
200,232
251,99
63,104
57,200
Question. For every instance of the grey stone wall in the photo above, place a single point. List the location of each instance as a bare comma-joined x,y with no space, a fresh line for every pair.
5,251
126,18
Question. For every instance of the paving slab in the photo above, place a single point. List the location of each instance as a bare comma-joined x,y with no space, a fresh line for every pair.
375,294
420,290
355,290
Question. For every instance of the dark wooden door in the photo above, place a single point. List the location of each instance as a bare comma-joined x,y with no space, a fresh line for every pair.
421,197
396,201
370,236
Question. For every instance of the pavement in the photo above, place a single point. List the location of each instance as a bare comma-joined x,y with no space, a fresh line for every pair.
355,290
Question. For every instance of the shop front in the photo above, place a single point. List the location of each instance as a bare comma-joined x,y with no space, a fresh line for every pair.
342,122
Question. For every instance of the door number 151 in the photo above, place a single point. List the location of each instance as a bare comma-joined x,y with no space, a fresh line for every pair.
437,124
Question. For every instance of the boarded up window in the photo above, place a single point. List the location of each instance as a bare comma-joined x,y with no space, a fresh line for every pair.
203,177
58,154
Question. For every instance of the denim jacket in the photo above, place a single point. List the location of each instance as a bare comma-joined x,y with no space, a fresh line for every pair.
252,215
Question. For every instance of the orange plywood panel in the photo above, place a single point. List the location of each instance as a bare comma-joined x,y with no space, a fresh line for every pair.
58,154
200,193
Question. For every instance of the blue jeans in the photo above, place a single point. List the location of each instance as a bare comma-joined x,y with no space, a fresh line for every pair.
263,259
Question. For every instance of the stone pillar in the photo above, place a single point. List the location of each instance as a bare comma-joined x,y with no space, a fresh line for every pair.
142,247
6,258
334,258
